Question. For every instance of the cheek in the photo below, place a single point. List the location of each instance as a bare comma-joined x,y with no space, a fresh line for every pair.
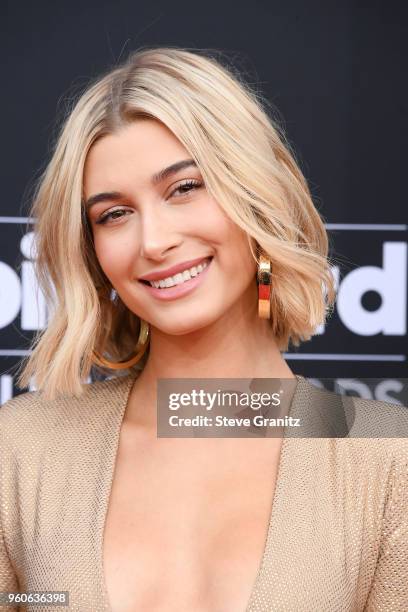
113,254
239,253
231,242
244,265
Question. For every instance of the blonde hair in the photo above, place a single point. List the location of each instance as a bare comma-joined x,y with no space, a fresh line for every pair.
247,166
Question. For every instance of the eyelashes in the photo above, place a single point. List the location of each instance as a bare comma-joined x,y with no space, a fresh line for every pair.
190,183
186,188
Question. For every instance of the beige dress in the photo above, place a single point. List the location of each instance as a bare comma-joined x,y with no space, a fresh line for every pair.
338,529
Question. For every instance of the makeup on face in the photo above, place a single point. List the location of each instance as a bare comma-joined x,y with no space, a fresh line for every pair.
179,285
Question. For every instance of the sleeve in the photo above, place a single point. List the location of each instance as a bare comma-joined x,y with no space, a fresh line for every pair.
389,590
8,578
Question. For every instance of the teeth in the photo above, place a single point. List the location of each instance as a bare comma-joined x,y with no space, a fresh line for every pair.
180,278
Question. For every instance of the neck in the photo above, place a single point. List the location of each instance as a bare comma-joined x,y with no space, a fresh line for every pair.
237,345
225,350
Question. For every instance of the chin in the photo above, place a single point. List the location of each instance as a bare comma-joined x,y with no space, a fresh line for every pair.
186,325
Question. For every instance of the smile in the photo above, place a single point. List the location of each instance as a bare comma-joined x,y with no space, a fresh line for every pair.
181,277
180,284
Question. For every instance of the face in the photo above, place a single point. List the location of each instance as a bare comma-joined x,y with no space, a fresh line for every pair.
152,222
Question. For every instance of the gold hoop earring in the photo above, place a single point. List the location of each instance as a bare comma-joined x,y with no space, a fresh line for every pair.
141,347
264,287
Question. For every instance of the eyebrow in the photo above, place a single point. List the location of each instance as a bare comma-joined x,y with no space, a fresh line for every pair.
155,180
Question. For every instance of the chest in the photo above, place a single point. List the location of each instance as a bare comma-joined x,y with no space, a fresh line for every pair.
187,522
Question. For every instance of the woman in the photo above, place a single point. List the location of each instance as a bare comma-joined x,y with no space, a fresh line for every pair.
169,164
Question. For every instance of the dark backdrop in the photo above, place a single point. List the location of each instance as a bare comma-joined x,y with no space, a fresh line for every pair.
336,73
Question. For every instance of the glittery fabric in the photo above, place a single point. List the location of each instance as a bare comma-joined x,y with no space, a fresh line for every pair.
338,529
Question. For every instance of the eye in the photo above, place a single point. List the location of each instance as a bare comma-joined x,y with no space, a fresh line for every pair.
183,189
102,220
187,186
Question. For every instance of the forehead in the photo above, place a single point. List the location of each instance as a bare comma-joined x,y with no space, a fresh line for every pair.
135,152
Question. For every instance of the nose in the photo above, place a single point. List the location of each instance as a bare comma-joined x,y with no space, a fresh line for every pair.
157,235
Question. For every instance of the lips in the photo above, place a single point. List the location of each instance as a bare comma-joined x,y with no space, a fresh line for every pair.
162,274
180,290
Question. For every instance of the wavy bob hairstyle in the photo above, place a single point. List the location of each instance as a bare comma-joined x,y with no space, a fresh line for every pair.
247,166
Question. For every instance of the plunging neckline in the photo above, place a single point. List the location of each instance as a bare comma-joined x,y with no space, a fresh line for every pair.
281,475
